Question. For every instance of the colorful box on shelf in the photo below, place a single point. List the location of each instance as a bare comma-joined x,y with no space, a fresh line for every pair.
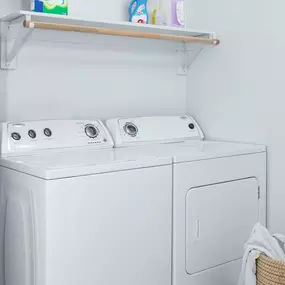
59,7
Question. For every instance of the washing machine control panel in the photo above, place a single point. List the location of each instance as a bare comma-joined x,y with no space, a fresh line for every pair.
146,130
24,137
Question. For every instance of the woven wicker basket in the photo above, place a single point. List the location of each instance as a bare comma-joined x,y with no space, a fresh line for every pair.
269,271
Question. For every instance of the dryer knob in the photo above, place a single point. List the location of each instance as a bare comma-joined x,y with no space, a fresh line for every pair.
191,126
131,129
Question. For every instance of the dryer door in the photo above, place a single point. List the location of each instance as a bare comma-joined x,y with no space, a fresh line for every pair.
219,219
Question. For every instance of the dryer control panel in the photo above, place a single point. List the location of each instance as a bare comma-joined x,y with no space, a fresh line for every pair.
25,137
147,130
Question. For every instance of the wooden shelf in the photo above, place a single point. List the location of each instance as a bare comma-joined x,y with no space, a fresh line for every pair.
31,20
66,23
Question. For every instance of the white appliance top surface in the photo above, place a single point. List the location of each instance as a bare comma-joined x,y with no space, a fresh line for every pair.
192,150
65,163
78,162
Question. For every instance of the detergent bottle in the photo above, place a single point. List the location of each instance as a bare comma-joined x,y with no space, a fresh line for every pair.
138,11
178,13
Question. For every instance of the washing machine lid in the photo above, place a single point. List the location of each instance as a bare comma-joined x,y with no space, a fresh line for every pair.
58,164
191,151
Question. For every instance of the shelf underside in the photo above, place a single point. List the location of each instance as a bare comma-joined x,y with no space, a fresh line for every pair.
65,23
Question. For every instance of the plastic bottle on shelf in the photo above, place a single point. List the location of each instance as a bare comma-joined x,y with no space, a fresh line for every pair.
158,15
178,13
138,11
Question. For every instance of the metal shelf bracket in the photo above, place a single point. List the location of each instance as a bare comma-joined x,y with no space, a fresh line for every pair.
189,56
13,36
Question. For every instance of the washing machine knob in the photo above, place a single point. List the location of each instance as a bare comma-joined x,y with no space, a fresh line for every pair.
32,134
16,136
131,129
47,132
91,131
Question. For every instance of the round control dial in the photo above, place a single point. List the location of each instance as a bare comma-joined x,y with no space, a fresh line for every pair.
16,136
47,132
191,126
131,129
32,134
91,131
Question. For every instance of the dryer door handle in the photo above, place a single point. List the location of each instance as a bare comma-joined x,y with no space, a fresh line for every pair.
197,229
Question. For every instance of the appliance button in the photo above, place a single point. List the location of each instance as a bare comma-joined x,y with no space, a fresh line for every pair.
16,136
131,129
32,134
47,132
191,126
91,131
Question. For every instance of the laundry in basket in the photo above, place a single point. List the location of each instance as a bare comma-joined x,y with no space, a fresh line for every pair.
261,242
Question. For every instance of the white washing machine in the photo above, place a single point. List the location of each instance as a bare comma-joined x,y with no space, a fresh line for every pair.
73,214
219,193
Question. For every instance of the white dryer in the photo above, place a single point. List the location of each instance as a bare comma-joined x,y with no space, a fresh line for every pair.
219,193
73,213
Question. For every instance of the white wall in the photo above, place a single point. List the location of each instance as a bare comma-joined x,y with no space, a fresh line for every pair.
59,77
7,6
237,91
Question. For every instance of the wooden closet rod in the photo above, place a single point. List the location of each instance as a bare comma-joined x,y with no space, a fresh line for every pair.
114,32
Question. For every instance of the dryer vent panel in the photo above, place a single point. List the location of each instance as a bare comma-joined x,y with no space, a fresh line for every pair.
219,219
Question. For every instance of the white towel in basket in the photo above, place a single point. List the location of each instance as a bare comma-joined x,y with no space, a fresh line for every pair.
261,241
